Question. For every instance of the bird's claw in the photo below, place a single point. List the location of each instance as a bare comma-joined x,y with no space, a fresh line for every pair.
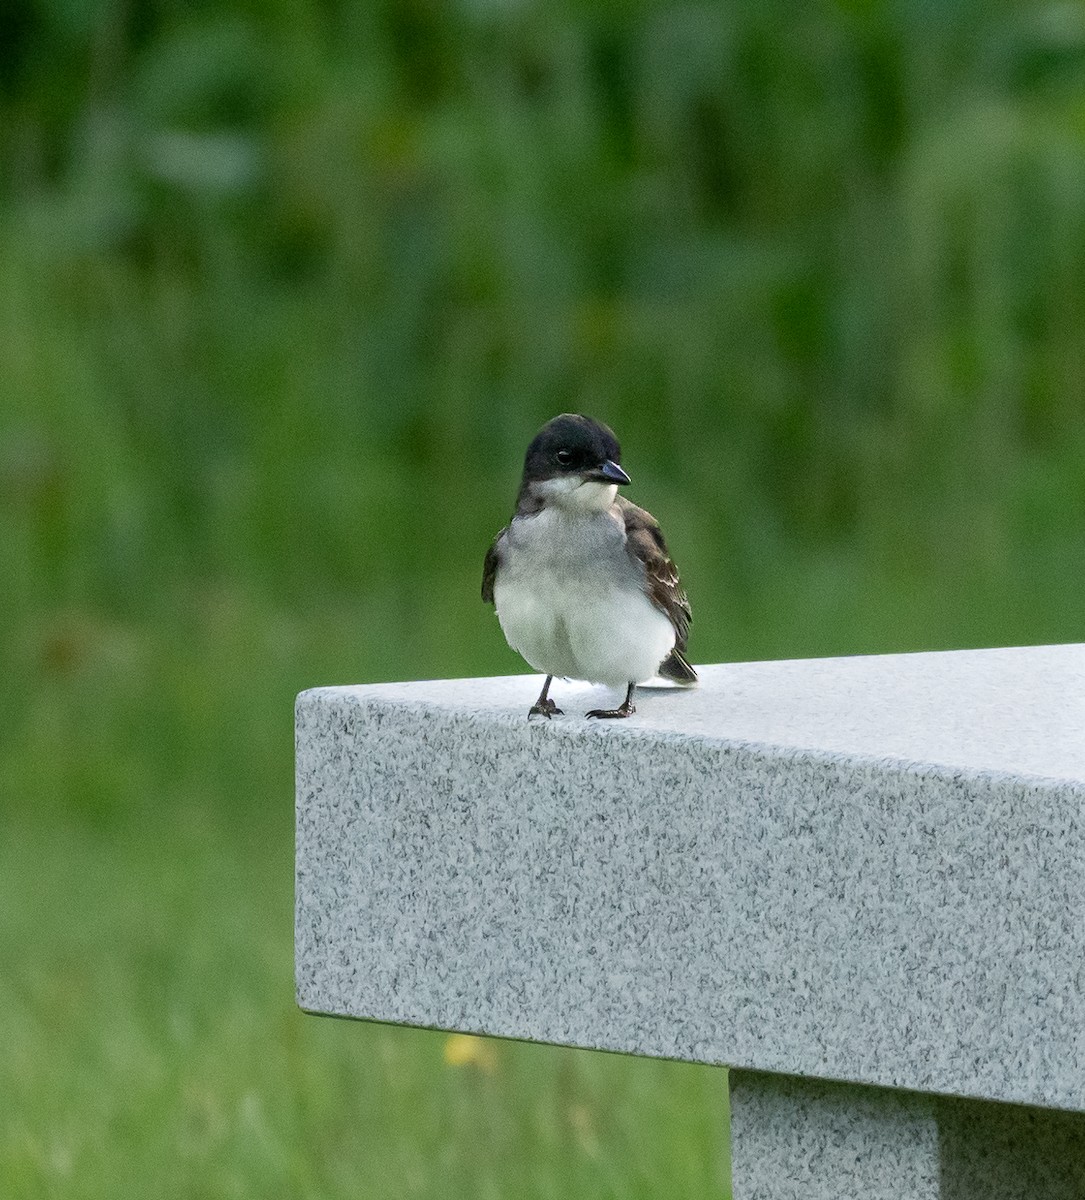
544,708
624,710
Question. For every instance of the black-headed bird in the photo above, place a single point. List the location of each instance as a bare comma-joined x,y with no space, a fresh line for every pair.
581,578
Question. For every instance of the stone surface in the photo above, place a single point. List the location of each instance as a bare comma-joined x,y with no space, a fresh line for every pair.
865,869
1009,1152
801,1139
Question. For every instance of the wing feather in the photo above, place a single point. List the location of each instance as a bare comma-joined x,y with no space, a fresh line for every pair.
644,541
489,569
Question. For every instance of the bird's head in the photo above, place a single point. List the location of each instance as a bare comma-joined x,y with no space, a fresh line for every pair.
572,462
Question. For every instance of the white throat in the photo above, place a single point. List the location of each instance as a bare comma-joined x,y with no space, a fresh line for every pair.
576,495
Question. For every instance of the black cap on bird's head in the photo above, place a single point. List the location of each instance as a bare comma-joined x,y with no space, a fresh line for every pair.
575,445
572,461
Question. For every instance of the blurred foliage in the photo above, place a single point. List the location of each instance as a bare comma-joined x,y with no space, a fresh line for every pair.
149,1046
285,288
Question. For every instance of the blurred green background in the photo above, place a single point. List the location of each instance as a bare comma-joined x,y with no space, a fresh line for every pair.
285,288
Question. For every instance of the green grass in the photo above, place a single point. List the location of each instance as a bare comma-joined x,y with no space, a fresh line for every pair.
284,291
151,1047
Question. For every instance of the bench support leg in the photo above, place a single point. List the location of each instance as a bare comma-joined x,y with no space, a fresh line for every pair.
1009,1151
798,1139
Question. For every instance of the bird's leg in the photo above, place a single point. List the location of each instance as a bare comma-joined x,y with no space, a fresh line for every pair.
625,709
544,705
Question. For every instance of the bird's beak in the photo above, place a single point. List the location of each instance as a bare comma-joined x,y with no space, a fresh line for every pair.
609,472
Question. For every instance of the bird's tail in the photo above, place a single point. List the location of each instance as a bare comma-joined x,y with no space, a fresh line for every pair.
675,668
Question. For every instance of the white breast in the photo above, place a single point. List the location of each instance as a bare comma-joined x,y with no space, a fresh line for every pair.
570,599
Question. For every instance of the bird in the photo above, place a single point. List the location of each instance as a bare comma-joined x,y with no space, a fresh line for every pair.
580,577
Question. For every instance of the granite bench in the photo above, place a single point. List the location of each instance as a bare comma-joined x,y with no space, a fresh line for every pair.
859,883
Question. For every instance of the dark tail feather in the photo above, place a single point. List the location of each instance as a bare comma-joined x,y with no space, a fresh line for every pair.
675,667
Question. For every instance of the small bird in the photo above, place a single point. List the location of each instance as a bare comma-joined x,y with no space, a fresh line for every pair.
581,579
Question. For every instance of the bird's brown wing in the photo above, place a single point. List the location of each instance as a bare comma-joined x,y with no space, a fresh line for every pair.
644,541
489,569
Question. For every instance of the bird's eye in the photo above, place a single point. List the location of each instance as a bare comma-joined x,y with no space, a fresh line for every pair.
564,457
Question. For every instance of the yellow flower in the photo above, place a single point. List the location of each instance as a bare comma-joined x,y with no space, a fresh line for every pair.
583,1124
465,1050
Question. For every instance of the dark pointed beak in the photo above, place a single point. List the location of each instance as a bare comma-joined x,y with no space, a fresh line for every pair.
609,472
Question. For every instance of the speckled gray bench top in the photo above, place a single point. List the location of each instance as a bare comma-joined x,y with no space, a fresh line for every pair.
863,869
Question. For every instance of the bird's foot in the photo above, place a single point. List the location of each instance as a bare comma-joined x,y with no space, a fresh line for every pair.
623,710
544,708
